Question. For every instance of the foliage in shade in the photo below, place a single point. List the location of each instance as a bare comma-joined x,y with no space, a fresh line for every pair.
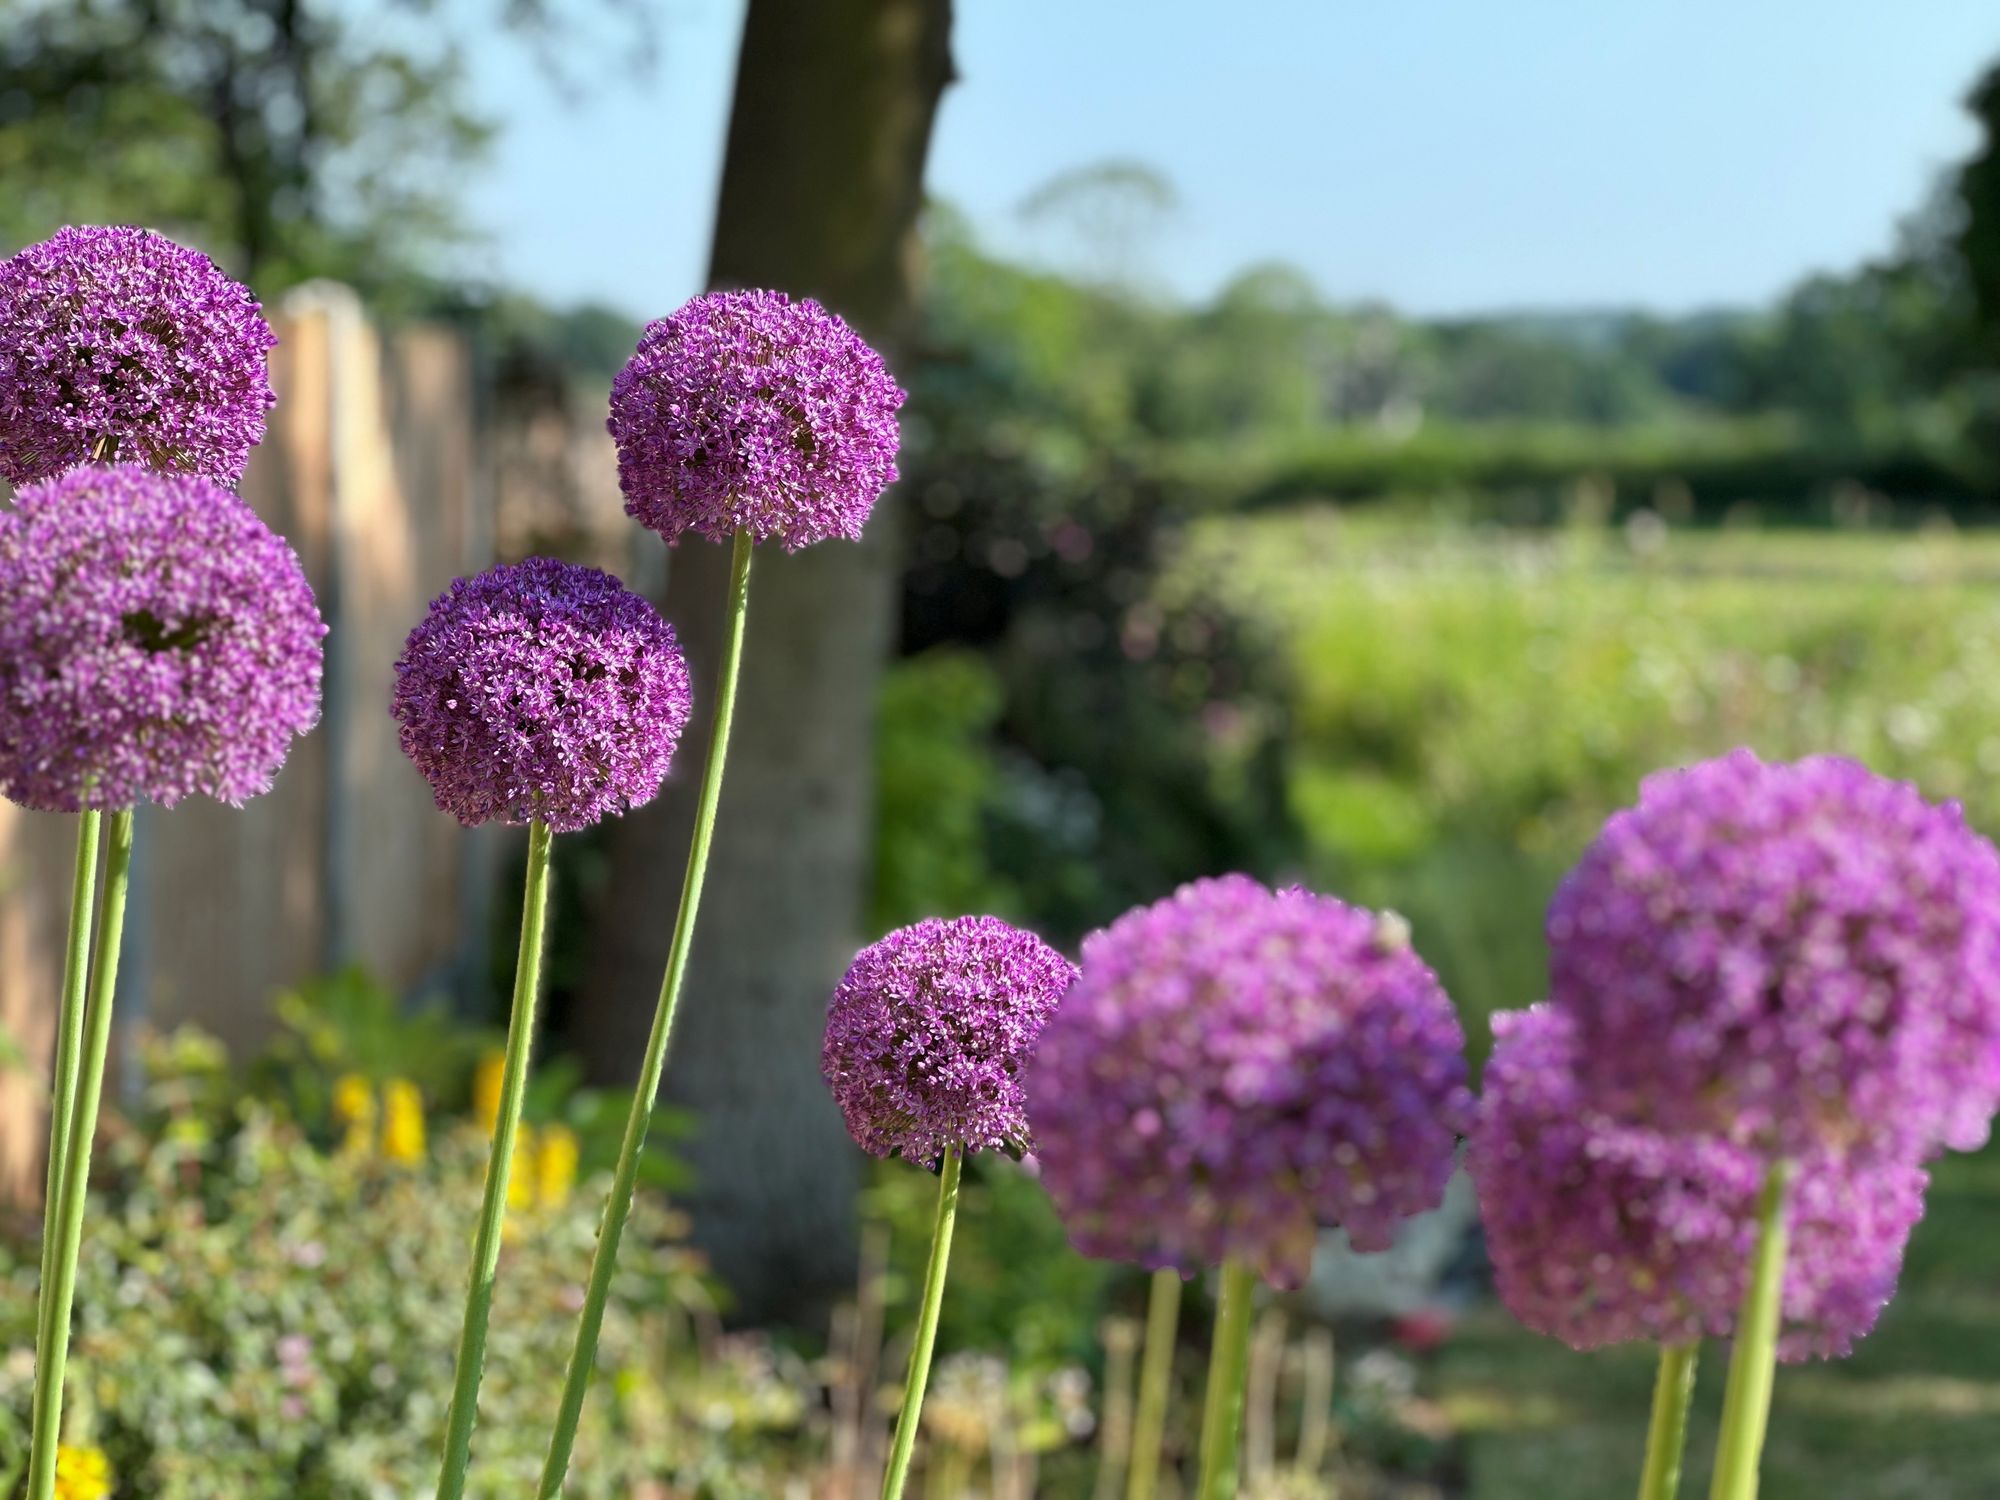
120,336
750,411
156,640
1798,955
929,1030
1237,1069
541,690
1604,1233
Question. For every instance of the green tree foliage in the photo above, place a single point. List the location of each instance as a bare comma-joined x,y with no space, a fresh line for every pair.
290,138
1977,239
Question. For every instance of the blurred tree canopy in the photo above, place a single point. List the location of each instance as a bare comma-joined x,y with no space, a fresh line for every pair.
1976,232
290,138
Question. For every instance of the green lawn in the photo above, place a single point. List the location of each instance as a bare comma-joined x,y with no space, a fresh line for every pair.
1469,702
1915,1412
1466,704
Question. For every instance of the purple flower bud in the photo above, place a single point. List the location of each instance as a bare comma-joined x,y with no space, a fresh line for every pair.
541,690
156,639
1792,955
1237,1069
747,411
929,1030
1602,1233
120,337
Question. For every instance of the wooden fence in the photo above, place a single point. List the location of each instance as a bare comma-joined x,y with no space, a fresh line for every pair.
376,469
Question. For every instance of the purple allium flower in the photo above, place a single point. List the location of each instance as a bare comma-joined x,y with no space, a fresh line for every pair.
1794,955
541,690
1236,1069
120,336
747,411
929,1030
1603,1233
156,639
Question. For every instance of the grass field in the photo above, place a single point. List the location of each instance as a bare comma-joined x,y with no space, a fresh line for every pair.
1915,1412
1470,702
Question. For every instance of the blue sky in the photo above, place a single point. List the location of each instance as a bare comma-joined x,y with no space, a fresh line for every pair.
1443,155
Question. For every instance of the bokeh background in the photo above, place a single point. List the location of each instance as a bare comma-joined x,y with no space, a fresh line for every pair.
1351,444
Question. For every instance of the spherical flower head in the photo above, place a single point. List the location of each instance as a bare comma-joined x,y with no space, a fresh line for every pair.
1237,1069
541,691
747,411
1795,955
156,640
118,342
928,1033
1605,1233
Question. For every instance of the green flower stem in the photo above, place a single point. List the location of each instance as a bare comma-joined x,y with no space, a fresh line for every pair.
53,1356
499,1168
1746,1402
927,1321
69,1060
1156,1375
1667,1437
1228,1366
625,1180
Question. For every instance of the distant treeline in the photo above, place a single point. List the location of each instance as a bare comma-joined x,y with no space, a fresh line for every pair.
1536,474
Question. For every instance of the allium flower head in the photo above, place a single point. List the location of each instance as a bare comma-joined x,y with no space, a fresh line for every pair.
118,336
1237,1069
929,1030
541,690
749,411
1604,1233
156,639
1793,954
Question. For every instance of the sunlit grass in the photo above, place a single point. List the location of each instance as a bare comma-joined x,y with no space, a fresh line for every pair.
1469,702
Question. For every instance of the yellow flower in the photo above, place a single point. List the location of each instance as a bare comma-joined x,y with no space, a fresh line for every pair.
82,1473
521,1183
402,1121
555,1165
354,1107
486,1090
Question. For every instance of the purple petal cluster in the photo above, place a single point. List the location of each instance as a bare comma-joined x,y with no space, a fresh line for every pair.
541,690
1799,955
117,342
929,1031
1237,1069
747,411
156,640
1603,1233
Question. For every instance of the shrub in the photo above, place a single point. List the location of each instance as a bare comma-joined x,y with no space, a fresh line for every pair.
266,1309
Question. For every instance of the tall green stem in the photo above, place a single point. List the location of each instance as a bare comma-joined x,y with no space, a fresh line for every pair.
499,1169
927,1322
52,1358
1228,1366
1156,1377
68,1062
1746,1402
624,1182
1667,1437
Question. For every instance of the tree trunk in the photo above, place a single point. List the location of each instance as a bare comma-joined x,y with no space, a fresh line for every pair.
820,194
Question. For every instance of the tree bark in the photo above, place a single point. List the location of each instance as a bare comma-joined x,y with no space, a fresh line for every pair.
821,188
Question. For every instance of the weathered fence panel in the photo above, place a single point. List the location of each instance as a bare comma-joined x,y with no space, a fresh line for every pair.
373,469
